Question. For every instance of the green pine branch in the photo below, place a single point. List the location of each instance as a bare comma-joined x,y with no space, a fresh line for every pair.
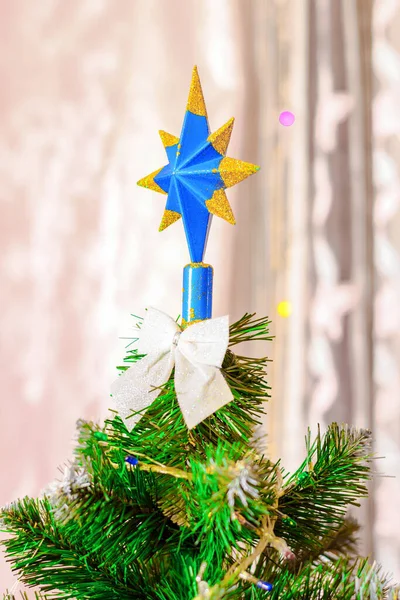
340,453
332,477
44,555
94,543
339,580
200,501
341,542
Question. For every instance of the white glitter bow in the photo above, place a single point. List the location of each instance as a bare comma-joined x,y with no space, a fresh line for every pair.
196,352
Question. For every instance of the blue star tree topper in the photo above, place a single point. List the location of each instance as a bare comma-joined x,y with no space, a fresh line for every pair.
195,179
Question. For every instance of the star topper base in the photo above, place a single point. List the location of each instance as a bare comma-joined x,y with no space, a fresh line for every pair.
197,293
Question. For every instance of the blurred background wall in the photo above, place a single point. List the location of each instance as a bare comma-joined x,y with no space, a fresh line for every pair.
85,86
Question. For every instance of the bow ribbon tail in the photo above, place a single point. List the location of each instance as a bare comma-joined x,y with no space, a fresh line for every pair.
134,391
200,391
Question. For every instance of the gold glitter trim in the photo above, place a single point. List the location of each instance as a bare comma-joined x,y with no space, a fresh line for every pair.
168,139
233,171
199,265
195,102
220,138
185,324
219,206
169,217
149,183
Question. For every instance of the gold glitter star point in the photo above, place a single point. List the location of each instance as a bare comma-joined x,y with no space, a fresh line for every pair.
220,207
149,183
169,217
221,138
196,104
168,139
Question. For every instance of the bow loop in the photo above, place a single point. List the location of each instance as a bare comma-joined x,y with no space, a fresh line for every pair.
197,354
156,332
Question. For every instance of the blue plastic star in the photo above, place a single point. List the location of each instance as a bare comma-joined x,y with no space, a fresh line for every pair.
197,173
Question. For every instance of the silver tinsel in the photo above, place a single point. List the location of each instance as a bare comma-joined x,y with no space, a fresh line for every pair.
244,483
64,491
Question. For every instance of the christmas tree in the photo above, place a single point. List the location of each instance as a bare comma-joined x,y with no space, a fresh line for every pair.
173,497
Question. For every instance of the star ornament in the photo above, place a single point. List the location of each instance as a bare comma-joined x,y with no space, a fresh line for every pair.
197,173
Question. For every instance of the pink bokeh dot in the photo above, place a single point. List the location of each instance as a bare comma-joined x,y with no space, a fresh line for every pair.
286,118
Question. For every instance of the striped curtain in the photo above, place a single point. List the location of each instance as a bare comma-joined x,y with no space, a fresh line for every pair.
324,230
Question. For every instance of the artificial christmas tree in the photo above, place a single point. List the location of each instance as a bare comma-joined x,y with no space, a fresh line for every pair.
172,499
